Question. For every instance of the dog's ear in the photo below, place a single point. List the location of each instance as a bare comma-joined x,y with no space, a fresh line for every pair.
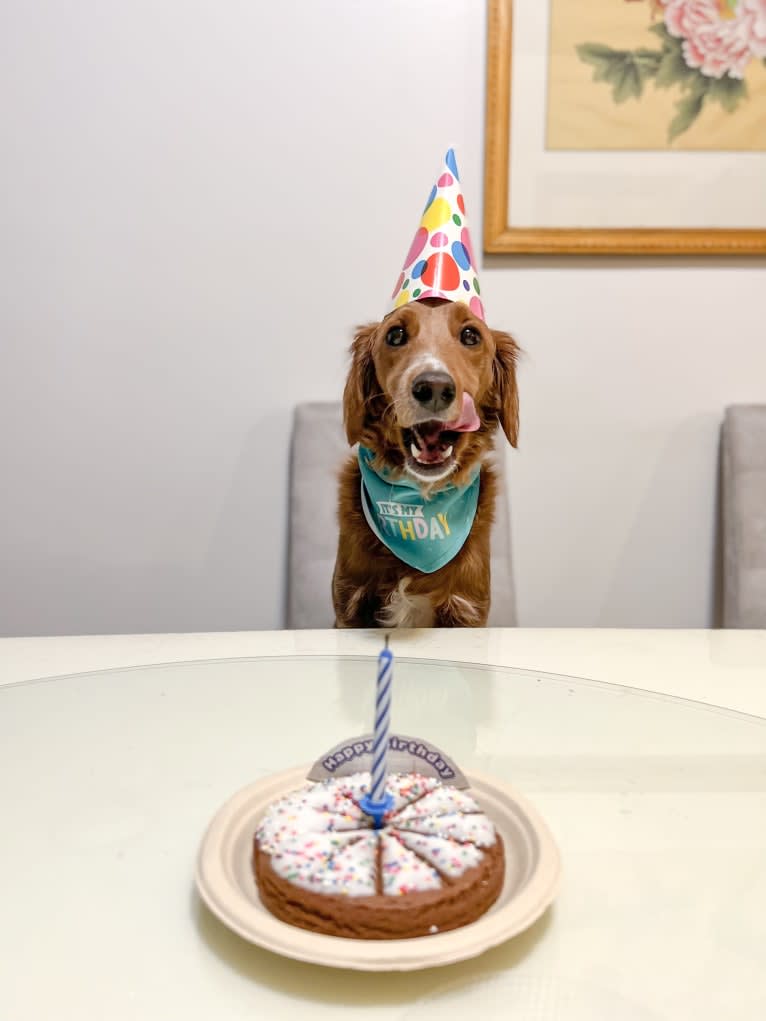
361,385
504,379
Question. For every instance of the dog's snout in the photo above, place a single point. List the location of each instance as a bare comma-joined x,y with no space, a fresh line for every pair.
435,391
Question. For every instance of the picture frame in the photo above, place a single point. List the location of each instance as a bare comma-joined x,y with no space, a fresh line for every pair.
506,232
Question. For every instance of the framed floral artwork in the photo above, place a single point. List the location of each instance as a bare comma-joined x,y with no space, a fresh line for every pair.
626,126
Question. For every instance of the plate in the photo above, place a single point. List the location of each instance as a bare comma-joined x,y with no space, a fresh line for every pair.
227,886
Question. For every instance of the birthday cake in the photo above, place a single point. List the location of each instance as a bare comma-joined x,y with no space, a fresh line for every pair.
436,863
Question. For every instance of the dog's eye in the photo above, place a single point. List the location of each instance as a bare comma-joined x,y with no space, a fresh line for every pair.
469,336
396,336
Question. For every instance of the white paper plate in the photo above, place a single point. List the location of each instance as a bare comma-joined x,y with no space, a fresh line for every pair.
226,884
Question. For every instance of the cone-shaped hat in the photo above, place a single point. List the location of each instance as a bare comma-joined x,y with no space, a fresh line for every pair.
440,262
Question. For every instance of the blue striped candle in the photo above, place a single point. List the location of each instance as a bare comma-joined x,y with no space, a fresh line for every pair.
382,724
377,802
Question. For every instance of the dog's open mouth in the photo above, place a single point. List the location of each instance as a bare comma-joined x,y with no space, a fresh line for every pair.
431,445
431,448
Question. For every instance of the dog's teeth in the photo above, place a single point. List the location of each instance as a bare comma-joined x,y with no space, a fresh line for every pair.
447,452
415,451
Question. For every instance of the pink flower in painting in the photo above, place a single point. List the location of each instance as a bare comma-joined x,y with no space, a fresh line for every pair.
720,36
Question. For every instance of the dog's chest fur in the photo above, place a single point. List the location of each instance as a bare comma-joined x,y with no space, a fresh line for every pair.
406,609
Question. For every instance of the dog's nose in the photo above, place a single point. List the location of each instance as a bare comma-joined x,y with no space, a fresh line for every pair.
434,390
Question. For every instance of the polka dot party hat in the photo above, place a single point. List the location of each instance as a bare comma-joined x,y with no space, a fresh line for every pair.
440,262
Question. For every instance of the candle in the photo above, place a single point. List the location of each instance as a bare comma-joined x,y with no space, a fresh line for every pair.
382,723
377,802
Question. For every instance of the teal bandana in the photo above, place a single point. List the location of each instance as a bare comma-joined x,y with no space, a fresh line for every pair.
426,534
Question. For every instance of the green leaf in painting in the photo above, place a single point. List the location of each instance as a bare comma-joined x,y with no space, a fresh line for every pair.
626,82
673,69
602,58
727,91
648,60
660,30
593,52
688,108
624,70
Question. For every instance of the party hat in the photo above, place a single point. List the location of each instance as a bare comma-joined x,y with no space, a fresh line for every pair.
440,262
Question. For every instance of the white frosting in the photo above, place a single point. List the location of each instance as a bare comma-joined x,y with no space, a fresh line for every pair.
328,862
320,839
405,787
325,800
442,801
450,857
402,871
468,829
295,820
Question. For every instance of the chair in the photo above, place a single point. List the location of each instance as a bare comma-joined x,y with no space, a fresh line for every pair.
743,479
318,449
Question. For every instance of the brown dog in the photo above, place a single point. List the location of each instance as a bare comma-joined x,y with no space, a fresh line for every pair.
426,390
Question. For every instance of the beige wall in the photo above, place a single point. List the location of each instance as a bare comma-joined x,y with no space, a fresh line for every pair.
199,202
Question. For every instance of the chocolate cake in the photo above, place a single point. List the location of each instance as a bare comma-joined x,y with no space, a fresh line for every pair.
436,864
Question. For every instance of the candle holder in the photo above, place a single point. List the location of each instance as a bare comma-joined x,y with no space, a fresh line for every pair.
376,809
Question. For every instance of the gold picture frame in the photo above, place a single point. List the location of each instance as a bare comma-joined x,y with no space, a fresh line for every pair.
501,236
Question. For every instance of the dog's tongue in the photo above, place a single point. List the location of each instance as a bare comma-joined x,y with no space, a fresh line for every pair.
468,422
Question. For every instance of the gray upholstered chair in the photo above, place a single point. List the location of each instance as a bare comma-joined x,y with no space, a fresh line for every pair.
318,449
743,476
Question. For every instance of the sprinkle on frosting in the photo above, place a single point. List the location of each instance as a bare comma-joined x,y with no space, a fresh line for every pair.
328,862
449,857
408,787
442,801
402,871
320,839
474,829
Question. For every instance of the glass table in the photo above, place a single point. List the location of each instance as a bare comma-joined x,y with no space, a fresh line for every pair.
108,781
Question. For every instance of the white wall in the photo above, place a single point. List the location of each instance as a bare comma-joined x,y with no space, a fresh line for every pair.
199,200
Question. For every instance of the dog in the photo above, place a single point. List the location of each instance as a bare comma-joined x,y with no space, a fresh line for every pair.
426,390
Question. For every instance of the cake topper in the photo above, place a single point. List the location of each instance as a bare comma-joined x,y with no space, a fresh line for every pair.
406,754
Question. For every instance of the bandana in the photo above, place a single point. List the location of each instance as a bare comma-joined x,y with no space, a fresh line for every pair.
425,534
